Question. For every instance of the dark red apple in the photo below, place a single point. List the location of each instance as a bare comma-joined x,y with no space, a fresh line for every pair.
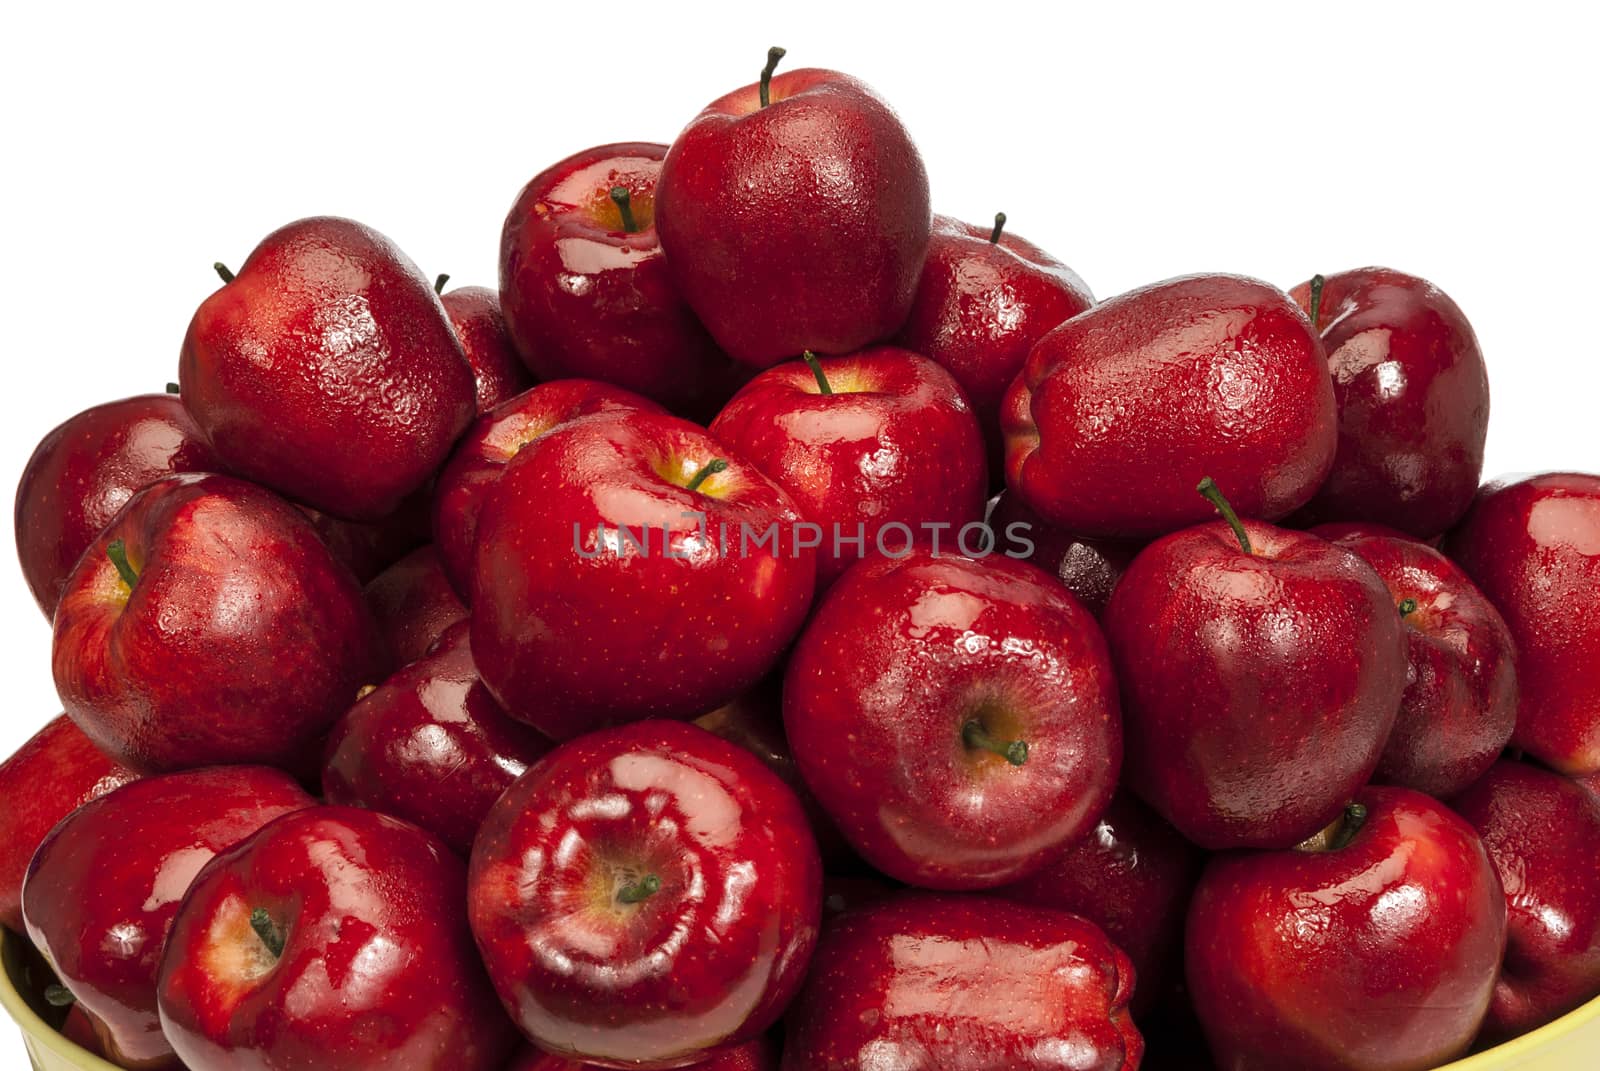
53,774
630,566
104,886
431,746
586,289
1334,531
334,938
85,470
475,315
413,604
984,298
1543,833
210,625
1413,401
794,214
1261,671
327,370
1374,946
491,443
1121,410
646,896
370,547
928,982
1090,568
758,1055
956,718
875,448
1533,547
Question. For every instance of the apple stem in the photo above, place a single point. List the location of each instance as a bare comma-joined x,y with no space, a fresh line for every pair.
619,194
222,270
774,54
999,225
1408,607
1316,302
59,996
711,468
639,891
173,388
118,553
1355,816
976,737
816,369
438,284
1213,494
268,931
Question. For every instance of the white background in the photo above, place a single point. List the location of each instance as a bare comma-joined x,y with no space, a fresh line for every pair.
1136,142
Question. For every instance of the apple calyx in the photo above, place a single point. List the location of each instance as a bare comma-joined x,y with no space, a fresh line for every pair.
117,551
977,738
815,365
774,54
438,284
222,270
1316,302
639,891
1213,494
271,935
59,996
1407,607
999,225
1338,833
708,470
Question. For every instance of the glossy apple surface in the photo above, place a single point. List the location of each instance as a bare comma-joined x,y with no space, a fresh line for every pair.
758,1055
480,325
413,603
1090,568
370,547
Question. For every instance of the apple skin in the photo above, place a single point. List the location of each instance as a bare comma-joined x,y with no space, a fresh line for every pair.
1258,689
1533,547
328,371
1413,400
586,299
1378,955
370,547
1338,531
480,326
572,634
963,983
103,888
377,969
240,642
758,1055
896,443
1132,875
431,746
980,307
1460,703
1121,410
85,470
1543,833
901,657
413,603
799,226
1090,568
53,774
490,444
708,961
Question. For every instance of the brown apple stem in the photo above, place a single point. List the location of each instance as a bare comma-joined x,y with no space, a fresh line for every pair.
1408,607
999,225
774,54
1316,302
118,553
710,469
59,996
268,931
816,369
173,388
977,738
438,284
639,891
222,270
1213,494
619,194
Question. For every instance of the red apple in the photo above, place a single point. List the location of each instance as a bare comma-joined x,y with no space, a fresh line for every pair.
104,886
1121,410
1375,946
431,746
334,938
956,718
927,982
631,566
1413,401
85,470
1543,833
758,1055
1090,568
1261,670
210,625
491,443
480,325
1533,547
413,604
645,896
984,298
370,547
875,448
53,774
1334,531
1460,703
327,370
794,215
588,293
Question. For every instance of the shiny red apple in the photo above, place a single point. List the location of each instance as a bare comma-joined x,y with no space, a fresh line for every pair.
413,603
758,1055
480,325
1090,568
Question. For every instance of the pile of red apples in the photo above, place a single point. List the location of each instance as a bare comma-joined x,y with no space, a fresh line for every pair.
782,628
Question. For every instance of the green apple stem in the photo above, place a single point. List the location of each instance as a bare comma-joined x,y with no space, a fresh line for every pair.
59,996
977,738
774,54
268,931
619,194
1213,494
1355,816
1316,302
710,469
118,553
1407,607
999,225
639,891
172,388
816,369
438,284
222,270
